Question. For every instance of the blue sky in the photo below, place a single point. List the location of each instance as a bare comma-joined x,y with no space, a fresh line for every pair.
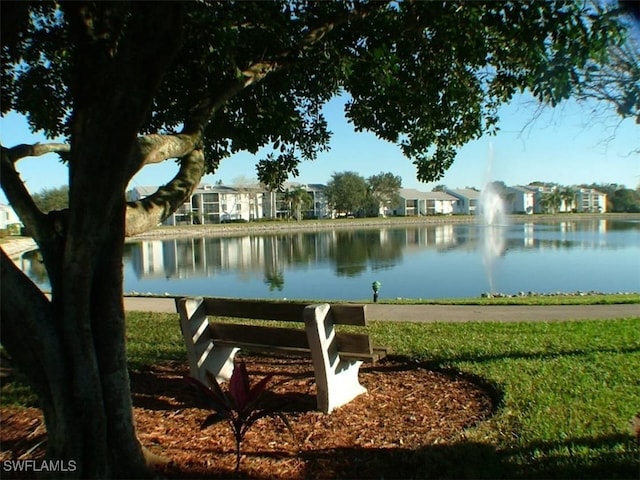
568,145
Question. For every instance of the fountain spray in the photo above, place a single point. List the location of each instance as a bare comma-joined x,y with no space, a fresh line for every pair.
493,221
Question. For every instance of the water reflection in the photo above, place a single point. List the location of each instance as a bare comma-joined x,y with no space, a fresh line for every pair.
431,261
350,252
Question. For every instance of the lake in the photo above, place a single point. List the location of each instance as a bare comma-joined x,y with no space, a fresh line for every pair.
449,260
430,261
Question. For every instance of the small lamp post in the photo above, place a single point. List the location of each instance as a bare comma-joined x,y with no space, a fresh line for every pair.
376,288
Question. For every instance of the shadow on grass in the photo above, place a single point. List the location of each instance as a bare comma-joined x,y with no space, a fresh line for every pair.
553,354
461,460
607,456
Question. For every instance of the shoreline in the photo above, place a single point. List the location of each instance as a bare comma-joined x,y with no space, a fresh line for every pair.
15,247
270,227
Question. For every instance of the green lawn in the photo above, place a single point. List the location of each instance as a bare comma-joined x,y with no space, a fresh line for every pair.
567,390
567,299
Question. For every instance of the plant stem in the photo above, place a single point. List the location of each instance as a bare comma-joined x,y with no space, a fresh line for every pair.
238,445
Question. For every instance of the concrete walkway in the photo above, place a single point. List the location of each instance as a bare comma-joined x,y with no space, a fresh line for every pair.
448,313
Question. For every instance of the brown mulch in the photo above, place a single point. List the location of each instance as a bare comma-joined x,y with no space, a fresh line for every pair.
411,420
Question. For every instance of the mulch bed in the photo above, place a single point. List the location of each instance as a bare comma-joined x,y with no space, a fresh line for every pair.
411,422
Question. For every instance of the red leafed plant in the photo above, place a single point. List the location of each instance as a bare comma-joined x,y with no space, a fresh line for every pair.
241,405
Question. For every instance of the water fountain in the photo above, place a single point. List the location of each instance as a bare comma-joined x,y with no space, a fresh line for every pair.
492,209
493,221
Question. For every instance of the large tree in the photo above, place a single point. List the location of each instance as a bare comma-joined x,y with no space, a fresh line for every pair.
129,84
384,192
347,192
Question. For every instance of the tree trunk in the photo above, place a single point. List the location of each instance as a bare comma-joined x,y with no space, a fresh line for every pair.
95,428
72,348
73,352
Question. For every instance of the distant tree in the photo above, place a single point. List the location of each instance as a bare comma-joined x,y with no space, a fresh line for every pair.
383,190
439,188
550,201
347,192
555,198
544,202
625,200
52,199
297,199
568,197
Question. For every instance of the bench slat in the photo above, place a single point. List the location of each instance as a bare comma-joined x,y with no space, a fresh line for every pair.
283,311
259,335
286,312
276,338
355,343
349,315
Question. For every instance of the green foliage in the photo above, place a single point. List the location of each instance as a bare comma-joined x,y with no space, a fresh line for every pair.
625,200
619,198
298,199
550,201
52,199
428,76
383,191
347,192
242,405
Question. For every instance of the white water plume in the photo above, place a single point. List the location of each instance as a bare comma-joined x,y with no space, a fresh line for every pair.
493,222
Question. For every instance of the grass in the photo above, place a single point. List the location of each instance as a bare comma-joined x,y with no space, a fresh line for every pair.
566,299
567,390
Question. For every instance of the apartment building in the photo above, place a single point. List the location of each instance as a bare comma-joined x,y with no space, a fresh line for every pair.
467,202
220,204
414,202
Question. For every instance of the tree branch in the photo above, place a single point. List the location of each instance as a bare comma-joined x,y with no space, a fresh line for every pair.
147,213
155,148
259,70
20,199
27,329
37,149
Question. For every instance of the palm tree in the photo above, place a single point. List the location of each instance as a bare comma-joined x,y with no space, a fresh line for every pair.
550,201
296,199
544,201
568,196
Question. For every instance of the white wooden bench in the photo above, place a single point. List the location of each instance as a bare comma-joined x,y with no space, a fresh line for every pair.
336,356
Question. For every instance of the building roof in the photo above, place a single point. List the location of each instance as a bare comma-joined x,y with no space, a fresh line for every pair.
413,194
138,193
523,188
465,193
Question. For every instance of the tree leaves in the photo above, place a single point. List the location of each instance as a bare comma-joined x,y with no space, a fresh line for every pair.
426,75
